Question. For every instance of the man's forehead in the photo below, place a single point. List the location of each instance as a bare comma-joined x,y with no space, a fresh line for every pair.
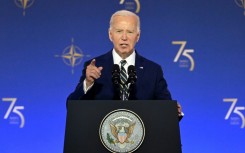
125,18
124,24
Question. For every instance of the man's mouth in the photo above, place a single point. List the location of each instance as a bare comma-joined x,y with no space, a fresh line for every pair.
123,45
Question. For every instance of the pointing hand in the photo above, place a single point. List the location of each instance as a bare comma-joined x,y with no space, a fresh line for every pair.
92,73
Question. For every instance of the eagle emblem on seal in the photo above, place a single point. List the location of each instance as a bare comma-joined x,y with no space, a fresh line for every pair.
122,133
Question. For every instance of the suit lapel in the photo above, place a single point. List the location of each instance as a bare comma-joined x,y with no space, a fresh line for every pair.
139,65
113,88
108,65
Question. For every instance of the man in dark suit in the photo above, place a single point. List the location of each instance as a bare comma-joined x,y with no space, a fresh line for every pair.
96,80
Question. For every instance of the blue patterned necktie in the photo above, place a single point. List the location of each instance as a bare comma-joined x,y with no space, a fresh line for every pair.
123,85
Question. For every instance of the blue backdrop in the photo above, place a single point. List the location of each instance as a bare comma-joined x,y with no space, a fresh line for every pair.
199,44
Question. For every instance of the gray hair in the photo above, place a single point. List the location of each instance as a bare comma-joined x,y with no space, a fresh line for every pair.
125,13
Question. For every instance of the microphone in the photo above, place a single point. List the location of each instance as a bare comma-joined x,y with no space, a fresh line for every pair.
116,74
131,75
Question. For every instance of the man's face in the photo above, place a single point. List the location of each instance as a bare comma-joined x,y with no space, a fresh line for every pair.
124,34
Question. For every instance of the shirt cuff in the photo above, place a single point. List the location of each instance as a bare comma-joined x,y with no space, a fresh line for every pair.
182,114
85,88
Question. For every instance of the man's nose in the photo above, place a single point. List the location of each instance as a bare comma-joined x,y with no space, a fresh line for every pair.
124,36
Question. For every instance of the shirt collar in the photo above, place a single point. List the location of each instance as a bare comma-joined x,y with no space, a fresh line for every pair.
117,59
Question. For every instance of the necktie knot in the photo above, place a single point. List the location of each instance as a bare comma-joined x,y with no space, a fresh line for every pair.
123,62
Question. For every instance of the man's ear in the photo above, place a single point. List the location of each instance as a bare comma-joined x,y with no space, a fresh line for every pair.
138,36
109,34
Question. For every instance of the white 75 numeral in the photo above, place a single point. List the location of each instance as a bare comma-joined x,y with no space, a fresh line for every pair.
14,109
236,110
184,52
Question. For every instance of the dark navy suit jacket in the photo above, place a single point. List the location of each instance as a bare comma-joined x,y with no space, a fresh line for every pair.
150,84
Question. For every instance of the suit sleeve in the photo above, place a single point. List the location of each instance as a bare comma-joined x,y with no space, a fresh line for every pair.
78,93
161,87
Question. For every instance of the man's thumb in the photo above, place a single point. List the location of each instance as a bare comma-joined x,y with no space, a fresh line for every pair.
93,62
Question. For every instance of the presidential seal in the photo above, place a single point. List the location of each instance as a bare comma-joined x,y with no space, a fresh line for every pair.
122,131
